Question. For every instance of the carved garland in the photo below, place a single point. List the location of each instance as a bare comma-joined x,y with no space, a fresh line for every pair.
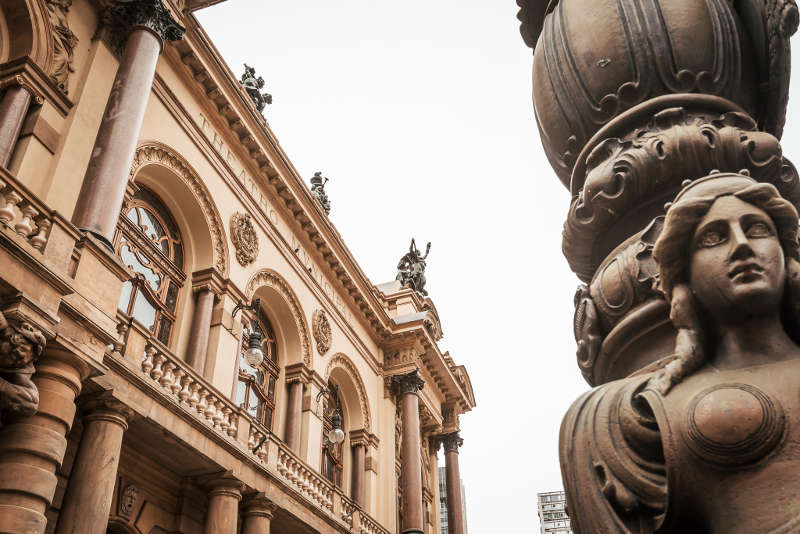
244,238
340,360
271,279
156,153
321,328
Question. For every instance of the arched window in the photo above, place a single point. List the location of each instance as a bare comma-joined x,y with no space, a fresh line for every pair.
256,387
332,453
149,243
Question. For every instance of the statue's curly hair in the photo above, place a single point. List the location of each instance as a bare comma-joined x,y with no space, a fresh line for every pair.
673,252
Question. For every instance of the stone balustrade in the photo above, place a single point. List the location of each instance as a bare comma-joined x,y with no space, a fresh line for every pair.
180,381
304,479
348,510
23,213
370,526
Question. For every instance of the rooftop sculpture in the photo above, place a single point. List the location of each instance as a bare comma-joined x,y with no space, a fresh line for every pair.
318,189
688,319
253,87
411,268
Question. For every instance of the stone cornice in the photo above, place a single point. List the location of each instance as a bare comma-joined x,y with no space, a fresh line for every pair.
235,111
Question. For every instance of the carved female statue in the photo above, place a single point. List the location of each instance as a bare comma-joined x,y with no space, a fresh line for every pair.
706,441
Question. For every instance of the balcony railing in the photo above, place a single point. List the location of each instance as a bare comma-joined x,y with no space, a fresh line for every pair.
23,212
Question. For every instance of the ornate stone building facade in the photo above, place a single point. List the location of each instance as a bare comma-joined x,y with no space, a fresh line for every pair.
187,343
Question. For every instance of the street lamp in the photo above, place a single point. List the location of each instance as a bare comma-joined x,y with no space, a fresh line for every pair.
254,354
335,434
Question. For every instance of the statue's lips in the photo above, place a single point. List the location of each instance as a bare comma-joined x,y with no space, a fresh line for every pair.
746,269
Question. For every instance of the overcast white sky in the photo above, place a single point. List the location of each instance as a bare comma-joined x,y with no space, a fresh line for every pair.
420,114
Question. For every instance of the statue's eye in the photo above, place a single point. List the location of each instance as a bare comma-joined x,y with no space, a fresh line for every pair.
759,229
711,238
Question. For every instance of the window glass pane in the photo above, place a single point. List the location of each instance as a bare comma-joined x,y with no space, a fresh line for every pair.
125,297
139,264
241,392
268,417
150,226
144,312
255,406
177,256
164,329
271,388
172,296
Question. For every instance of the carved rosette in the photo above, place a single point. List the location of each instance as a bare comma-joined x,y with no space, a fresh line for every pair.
452,442
321,328
244,238
408,383
150,14
64,42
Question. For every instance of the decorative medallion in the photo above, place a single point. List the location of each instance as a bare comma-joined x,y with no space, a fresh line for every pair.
243,235
321,328
127,499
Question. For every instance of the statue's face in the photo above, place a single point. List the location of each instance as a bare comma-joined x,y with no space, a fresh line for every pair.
737,265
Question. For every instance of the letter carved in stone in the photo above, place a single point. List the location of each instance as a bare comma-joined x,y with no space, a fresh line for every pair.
321,328
243,236
64,41
20,346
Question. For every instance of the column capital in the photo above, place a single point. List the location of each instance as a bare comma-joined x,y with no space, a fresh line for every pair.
298,372
107,409
208,280
408,383
260,505
451,442
148,14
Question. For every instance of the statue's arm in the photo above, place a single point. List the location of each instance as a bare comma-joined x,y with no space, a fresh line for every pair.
612,462
18,393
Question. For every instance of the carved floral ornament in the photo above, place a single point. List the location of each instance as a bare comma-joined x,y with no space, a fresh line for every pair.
244,238
343,362
267,278
321,329
153,153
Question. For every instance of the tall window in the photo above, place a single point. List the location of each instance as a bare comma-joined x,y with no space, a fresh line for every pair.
149,243
256,387
332,453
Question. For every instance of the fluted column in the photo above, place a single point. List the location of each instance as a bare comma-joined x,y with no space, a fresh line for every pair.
13,109
257,514
455,502
294,424
103,188
407,386
87,501
201,326
32,448
222,516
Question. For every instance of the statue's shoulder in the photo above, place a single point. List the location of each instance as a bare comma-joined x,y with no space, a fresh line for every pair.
612,461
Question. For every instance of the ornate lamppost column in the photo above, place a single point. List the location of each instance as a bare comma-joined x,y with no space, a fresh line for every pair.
104,185
407,386
455,505
258,513
223,506
32,448
87,501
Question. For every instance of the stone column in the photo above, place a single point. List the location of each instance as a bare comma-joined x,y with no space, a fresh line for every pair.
407,386
32,448
294,424
455,504
257,514
106,178
13,109
87,501
222,516
201,326
357,476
